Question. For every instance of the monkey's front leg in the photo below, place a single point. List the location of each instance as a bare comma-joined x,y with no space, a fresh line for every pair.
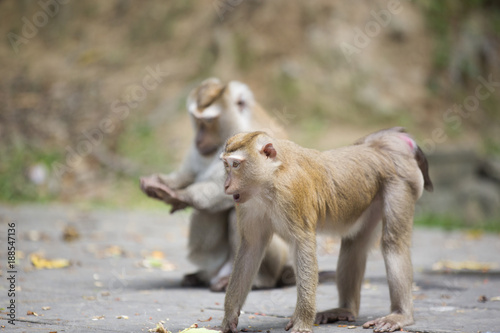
306,269
246,265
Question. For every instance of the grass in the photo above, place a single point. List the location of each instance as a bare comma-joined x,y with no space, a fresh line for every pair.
15,162
452,223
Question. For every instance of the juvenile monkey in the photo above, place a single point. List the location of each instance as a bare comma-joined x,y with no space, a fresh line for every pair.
282,188
217,111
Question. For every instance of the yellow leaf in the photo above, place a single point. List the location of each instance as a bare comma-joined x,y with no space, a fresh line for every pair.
463,265
41,263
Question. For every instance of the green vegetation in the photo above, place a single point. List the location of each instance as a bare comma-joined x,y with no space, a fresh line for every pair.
14,168
454,223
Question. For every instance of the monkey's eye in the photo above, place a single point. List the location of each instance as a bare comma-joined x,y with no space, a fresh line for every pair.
241,104
236,165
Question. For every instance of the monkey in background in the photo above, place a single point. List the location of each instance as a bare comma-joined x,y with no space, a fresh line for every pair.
217,112
360,192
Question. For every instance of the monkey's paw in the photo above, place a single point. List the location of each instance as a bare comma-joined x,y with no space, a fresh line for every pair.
333,315
230,325
297,326
389,323
220,284
193,280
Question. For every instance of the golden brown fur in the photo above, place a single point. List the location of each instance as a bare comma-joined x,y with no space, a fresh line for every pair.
293,191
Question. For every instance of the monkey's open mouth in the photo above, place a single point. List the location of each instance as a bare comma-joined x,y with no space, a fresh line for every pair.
236,197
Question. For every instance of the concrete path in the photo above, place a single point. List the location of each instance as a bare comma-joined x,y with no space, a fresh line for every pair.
126,267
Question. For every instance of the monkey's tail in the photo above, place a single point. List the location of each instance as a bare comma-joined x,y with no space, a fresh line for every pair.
419,155
423,165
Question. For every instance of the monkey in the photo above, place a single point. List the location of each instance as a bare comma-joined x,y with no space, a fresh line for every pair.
217,111
361,192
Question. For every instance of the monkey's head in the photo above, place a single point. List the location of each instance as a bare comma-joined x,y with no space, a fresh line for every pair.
250,160
217,112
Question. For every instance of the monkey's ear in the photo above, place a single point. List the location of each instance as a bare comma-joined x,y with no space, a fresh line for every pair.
269,150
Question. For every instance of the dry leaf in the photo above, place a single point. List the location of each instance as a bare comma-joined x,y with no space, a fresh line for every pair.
45,308
351,327
157,254
495,299
41,263
159,329
114,251
97,317
463,266
31,313
70,233
122,317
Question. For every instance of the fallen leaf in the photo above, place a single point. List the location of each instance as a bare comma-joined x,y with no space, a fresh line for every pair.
159,329
105,293
122,317
45,308
41,263
158,263
482,299
31,313
70,233
474,234
463,266
495,299
97,317
114,251
203,321
351,327
157,254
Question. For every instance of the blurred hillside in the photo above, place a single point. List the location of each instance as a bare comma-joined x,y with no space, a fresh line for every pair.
92,93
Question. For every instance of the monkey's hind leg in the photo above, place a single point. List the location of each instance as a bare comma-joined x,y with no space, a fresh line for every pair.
351,267
208,246
399,205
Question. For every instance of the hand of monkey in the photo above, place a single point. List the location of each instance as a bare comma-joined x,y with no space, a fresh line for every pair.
155,189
